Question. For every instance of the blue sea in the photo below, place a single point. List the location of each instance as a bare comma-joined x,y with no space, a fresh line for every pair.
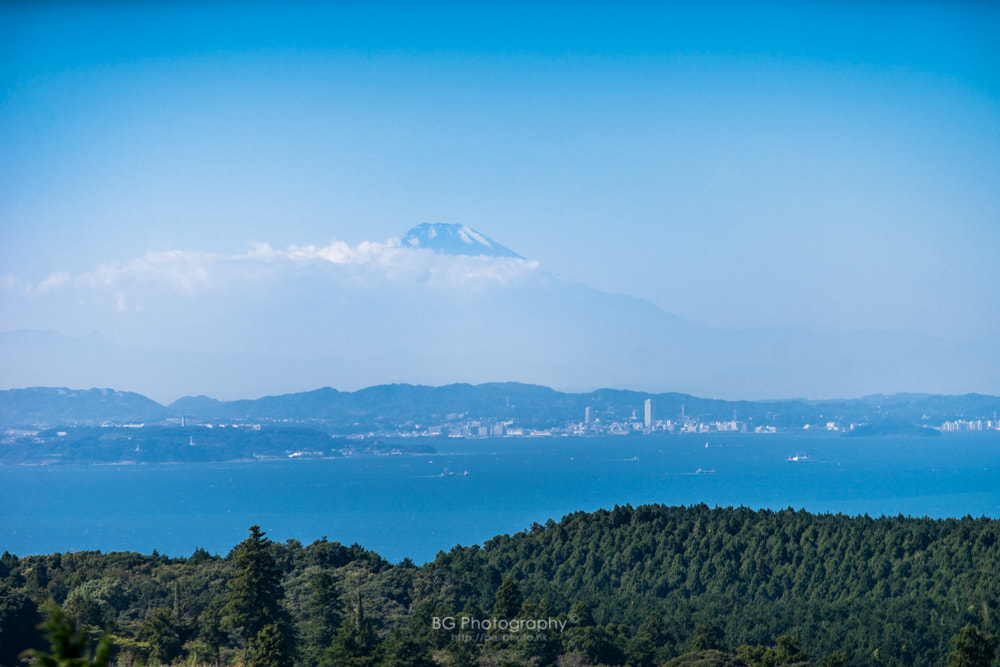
471,490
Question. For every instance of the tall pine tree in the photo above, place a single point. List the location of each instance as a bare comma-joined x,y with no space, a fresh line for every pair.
255,607
323,614
355,645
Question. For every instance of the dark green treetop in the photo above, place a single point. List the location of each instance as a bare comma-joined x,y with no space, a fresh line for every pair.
972,648
508,600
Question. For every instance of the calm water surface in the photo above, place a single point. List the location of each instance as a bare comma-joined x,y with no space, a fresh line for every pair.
410,506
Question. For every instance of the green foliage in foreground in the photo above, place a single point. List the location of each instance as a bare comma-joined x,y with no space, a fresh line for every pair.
70,646
642,587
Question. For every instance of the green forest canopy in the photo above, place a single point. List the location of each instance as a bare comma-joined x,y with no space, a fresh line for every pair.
649,585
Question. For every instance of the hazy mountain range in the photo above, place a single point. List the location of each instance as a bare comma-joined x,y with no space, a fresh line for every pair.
441,304
388,407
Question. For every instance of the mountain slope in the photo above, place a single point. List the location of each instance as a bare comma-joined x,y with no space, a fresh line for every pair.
445,304
46,407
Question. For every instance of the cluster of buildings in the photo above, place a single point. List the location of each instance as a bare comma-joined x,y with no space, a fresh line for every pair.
606,423
473,428
592,424
611,424
971,425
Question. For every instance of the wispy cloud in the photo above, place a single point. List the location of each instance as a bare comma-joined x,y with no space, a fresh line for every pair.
12,283
189,272
397,262
183,270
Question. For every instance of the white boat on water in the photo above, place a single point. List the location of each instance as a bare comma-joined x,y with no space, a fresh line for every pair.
798,457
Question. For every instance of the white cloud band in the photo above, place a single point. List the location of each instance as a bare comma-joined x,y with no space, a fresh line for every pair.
188,272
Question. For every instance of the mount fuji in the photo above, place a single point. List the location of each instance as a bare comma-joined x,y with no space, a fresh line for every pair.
453,239
441,304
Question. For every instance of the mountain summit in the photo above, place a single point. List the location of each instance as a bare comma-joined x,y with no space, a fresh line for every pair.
453,239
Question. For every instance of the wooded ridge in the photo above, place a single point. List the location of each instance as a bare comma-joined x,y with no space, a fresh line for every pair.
649,585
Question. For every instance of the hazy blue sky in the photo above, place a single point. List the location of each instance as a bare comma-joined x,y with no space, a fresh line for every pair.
830,166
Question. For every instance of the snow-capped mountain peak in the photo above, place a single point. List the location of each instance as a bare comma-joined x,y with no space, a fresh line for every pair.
454,239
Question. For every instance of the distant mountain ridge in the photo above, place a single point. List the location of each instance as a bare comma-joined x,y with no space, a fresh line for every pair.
389,406
44,406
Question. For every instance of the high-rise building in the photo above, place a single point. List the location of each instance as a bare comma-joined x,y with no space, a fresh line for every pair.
586,414
649,414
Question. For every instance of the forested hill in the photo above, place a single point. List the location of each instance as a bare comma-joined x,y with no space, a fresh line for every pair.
900,586
642,586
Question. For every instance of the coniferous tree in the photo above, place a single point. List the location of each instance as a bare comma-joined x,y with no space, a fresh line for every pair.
164,635
508,600
19,620
648,646
70,646
403,651
323,613
210,631
177,601
355,644
462,654
256,598
707,636
580,615
269,648
835,659
587,640
972,648
788,651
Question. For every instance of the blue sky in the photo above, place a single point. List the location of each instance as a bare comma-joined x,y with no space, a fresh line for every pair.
831,166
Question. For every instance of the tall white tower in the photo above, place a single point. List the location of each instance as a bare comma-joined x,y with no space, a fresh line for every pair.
649,414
